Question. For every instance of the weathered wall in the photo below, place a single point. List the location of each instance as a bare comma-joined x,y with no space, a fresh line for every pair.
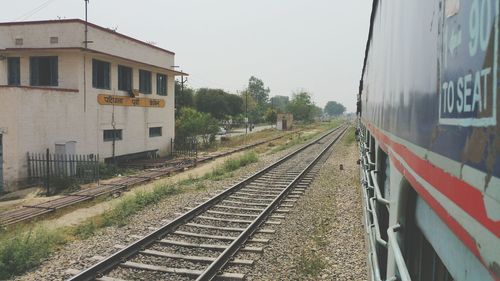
35,118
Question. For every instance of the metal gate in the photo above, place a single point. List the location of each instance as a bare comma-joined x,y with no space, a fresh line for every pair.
1,164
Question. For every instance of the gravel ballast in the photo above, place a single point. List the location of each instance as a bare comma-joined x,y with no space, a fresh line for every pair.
322,238
79,254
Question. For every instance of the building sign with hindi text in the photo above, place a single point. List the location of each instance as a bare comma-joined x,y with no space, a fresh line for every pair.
128,101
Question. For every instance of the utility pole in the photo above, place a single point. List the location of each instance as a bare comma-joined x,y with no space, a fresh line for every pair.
113,125
85,42
182,87
86,24
246,112
182,83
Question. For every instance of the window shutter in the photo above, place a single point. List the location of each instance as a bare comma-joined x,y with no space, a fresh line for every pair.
54,71
94,73
34,72
120,78
106,76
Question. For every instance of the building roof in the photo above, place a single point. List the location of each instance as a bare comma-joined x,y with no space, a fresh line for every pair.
89,24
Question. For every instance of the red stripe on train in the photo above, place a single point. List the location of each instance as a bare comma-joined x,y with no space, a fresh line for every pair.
461,233
461,193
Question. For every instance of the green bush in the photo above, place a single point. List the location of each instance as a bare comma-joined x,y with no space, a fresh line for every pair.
310,265
22,251
108,170
60,184
86,229
350,136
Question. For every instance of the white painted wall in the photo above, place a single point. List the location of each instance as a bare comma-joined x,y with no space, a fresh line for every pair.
71,34
35,119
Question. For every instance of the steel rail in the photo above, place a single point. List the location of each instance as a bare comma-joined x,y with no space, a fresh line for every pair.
122,255
211,272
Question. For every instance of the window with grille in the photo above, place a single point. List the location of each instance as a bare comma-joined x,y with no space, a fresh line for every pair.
124,78
44,71
145,81
155,132
14,71
100,74
110,135
161,84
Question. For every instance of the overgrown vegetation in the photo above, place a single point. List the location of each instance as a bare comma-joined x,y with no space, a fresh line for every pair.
192,123
350,136
21,251
309,263
120,214
62,184
232,164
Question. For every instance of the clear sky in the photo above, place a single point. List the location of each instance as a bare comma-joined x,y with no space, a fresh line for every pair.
315,45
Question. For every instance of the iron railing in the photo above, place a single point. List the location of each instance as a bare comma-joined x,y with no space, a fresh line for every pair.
184,147
45,168
372,196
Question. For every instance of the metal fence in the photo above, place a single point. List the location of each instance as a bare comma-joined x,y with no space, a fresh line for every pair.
44,168
185,147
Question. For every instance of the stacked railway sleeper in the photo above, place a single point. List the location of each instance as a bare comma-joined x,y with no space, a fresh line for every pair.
28,212
220,238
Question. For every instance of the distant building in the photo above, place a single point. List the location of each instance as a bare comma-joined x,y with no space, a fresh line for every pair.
284,121
113,96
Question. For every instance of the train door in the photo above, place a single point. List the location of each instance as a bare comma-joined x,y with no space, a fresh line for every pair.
1,164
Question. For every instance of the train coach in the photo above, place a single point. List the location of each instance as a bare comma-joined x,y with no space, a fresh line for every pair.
430,140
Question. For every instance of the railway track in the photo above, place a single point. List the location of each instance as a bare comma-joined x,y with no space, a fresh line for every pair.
29,212
219,238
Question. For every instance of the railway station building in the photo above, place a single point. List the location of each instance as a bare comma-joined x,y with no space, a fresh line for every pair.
83,88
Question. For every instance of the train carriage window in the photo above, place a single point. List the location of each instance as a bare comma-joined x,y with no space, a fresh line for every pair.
372,148
422,260
383,180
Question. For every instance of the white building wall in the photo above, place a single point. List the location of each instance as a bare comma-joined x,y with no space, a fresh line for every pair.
33,119
70,34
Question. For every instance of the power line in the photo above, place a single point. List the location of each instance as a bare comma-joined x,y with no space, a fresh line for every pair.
30,13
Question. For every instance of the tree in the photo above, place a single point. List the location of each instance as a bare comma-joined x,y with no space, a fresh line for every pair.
235,104
192,123
257,91
218,103
280,102
250,107
301,106
271,115
317,111
334,108
183,97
